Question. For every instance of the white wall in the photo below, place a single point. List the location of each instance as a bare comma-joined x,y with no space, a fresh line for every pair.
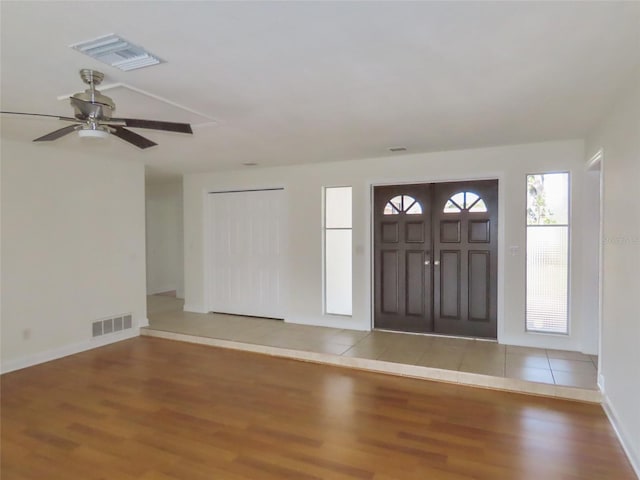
72,250
303,187
619,138
165,262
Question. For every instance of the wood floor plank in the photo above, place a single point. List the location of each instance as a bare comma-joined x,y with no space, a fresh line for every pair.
152,409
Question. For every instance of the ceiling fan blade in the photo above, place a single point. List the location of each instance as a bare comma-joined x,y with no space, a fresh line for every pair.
69,119
58,133
155,125
132,137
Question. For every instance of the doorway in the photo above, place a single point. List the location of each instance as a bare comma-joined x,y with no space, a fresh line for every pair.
435,258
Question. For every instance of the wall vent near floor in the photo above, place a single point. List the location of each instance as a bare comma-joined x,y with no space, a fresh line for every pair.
111,325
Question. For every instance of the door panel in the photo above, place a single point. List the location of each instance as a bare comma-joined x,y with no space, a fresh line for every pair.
402,239
435,264
479,285
390,286
414,232
390,232
450,231
415,282
468,263
449,284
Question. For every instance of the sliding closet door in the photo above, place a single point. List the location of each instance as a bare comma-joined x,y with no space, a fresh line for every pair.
244,244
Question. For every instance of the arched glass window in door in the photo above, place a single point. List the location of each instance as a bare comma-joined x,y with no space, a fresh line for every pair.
468,201
403,204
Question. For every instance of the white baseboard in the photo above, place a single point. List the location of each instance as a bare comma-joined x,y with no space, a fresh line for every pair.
194,308
623,435
67,350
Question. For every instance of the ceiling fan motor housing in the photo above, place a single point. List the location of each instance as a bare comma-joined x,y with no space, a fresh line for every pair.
91,104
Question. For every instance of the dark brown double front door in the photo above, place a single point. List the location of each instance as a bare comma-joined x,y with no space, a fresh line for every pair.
435,248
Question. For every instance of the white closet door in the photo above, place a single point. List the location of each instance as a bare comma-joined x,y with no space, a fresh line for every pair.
245,252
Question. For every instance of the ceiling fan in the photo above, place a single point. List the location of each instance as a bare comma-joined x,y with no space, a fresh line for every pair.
92,117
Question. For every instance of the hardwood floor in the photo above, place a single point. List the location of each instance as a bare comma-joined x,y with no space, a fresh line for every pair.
156,409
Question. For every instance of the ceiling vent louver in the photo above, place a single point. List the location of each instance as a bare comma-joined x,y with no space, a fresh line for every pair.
117,52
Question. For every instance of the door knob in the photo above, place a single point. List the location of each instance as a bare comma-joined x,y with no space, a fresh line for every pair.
427,262
436,263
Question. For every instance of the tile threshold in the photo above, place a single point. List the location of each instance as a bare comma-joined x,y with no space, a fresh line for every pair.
392,368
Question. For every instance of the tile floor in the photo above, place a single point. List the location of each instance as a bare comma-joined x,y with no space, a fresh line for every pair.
555,367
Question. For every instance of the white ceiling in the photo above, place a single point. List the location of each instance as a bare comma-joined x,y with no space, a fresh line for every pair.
300,82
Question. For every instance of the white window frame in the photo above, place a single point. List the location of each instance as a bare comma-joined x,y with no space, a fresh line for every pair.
325,229
569,251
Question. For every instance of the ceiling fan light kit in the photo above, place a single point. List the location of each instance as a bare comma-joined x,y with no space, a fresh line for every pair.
93,133
92,117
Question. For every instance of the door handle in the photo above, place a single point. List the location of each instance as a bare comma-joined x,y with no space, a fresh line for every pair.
427,262
436,263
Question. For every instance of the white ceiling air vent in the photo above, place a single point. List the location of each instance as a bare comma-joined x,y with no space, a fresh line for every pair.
117,52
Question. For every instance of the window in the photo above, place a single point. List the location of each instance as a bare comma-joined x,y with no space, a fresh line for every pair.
403,204
464,201
337,250
547,253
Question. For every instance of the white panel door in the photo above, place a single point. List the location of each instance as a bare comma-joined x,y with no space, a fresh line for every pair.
245,252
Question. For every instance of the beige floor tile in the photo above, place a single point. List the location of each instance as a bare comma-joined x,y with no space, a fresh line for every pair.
348,337
445,349
485,368
442,359
365,351
289,343
295,336
485,346
327,347
392,340
559,364
449,353
568,355
530,351
160,303
526,361
421,341
576,379
403,339
540,375
407,356
309,332
451,342
480,356
248,336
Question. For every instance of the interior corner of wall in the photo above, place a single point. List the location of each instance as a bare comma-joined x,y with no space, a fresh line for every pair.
621,432
600,383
